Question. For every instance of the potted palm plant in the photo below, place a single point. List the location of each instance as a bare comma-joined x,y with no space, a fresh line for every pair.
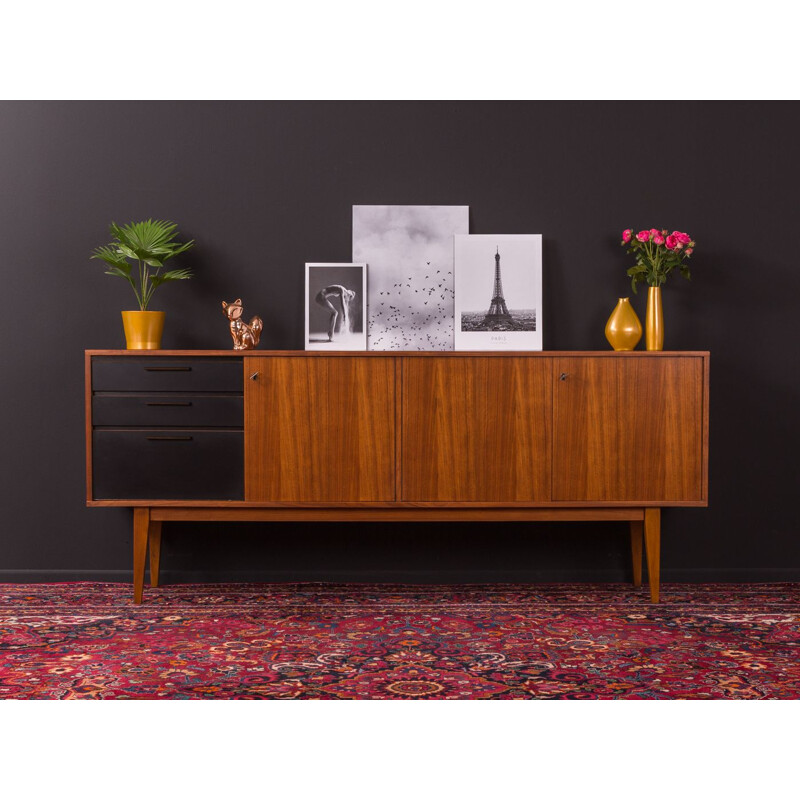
138,254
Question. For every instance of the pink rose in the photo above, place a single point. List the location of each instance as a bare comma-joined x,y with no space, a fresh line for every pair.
664,232
658,238
671,242
653,232
626,235
683,238
643,236
689,251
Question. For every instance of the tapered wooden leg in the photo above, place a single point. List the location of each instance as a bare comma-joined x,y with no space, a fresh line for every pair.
154,539
141,525
637,531
652,543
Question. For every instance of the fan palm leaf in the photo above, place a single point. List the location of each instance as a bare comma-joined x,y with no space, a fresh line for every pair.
172,275
150,239
149,243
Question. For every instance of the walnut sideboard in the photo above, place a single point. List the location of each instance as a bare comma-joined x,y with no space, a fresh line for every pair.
287,435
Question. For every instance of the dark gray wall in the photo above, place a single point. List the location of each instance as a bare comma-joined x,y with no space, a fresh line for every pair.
265,187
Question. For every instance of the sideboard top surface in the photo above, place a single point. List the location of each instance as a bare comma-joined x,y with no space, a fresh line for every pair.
402,353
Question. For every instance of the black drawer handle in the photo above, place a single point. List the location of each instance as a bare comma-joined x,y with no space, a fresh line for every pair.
169,438
167,369
167,404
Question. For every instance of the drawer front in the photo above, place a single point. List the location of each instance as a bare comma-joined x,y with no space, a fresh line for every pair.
168,410
162,374
156,464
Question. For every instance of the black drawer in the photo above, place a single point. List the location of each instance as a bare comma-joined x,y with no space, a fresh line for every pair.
156,464
174,410
163,374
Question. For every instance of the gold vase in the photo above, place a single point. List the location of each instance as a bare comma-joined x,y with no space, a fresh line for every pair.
143,329
654,320
623,329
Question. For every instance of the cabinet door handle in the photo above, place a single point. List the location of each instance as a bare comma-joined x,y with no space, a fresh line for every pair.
167,369
254,376
167,404
169,438
563,376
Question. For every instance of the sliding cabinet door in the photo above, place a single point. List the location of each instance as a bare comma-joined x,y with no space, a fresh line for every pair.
628,428
476,429
319,429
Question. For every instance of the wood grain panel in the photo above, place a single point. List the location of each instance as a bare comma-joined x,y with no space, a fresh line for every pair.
628,429
401,505
394,514
652,546
319,429
476,429
141,526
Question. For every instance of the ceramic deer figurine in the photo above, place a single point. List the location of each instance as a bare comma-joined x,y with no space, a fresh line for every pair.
245,336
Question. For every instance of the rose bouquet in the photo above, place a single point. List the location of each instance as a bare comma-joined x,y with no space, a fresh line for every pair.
657,253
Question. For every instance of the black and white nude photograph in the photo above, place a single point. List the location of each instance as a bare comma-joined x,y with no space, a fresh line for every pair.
409,250
335,306
498,291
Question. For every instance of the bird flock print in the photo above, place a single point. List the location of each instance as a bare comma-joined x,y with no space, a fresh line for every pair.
411,285
398,324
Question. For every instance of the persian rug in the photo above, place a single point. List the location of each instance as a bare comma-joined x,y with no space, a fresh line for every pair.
285,641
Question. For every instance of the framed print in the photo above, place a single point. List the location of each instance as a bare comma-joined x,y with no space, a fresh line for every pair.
336,309
498,292
409,250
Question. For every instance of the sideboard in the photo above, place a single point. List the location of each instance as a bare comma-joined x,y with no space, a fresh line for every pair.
396,436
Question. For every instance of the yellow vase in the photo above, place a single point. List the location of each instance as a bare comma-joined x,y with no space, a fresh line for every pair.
143,329
623,329
654,320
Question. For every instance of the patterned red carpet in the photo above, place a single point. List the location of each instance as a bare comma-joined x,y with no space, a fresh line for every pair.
248,641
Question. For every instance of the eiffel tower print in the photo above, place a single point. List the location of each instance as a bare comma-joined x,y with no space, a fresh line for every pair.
510,318
498,311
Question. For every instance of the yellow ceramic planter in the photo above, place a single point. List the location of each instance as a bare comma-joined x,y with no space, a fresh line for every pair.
143,329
